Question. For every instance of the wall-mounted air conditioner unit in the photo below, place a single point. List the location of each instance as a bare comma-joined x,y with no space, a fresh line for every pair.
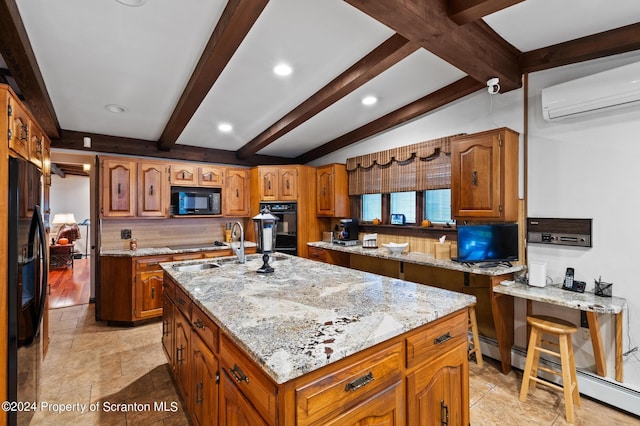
612,89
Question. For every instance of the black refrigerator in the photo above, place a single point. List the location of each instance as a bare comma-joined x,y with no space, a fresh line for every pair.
27,285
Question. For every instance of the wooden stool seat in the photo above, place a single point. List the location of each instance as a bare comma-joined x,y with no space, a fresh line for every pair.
474,343
562,330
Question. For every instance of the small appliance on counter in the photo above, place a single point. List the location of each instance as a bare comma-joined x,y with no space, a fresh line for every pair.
370,241
348,235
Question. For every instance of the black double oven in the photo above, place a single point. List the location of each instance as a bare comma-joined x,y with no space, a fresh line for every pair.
286,227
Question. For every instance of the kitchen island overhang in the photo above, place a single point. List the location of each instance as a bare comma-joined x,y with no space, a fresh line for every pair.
320,342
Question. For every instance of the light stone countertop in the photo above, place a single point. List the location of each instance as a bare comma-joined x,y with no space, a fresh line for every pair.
419,259
308,314
555,295
159,251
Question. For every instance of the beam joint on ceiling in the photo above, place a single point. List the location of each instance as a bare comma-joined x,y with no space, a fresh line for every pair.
235,23
464,11
380,59
473,48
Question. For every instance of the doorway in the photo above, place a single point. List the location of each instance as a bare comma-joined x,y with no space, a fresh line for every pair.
71,263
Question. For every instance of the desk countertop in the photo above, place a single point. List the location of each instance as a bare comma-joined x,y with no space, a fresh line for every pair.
554,294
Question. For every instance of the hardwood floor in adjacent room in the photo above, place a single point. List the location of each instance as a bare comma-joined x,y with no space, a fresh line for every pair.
92,363
70,286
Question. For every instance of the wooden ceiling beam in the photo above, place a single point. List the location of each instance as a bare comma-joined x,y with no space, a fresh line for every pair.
607,43
237,19
16,51
464,11
56,171
383,57
470,48
432,101
143,148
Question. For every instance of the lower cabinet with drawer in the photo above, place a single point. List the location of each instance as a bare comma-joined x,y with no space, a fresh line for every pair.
418,378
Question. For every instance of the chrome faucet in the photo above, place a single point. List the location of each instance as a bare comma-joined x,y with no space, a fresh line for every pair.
239,251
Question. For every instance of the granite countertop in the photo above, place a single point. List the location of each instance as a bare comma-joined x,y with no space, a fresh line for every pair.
308,314
554,294
419,259
177,249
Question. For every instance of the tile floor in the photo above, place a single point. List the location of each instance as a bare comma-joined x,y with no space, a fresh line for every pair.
90,363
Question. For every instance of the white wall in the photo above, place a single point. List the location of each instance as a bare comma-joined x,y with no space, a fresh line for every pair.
577,169
71,195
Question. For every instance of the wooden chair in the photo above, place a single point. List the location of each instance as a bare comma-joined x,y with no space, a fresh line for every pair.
474,343
562,330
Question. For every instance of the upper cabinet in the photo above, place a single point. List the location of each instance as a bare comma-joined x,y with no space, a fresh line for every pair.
235,200
484,176
184,174
278,183
153,189
332,191
210,176
118,185
18,132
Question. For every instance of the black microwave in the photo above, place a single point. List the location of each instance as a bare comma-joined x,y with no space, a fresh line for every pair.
196,201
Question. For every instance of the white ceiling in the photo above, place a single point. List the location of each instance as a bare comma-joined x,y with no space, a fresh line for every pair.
96,53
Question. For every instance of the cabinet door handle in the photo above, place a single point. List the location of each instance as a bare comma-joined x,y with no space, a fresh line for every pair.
153,292
199,397
287,184
359,382
165,285
199,324
474,178
444,413
179,357
151,190
118,189
181,301
237,193
440,340
269,185
238,374
152,263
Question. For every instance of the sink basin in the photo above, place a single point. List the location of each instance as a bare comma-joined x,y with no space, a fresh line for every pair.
194,267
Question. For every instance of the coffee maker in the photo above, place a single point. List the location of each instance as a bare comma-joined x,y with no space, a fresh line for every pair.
348,235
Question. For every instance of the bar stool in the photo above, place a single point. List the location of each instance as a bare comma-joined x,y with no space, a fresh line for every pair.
474,342
562,330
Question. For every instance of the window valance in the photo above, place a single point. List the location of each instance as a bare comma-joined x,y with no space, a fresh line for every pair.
418,167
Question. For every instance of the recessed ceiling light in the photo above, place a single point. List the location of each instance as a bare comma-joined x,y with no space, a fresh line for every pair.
369,100
225,127
115,108
133,3
282,70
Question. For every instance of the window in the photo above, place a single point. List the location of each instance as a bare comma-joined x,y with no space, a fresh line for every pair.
371,207
437,205
404,203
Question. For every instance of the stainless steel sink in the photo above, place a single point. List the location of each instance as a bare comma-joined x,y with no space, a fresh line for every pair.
194,267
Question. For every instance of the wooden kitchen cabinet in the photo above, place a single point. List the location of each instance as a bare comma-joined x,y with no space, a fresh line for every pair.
36,145
235,409
118,186
383,409
181,355
278,183
204,382
148,286
484,176
168,327
19,123
210,176
183,174
235,202
437,393
153,189
332,191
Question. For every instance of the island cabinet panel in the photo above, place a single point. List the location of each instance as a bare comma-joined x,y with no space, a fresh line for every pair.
147,285
181,355
204,383
206,329
339,391
383,409
438,393
249,380
484,176
168,327
116,294
441,337
235,409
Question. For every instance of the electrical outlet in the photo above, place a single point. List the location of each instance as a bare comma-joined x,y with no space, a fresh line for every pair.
585,334
125,234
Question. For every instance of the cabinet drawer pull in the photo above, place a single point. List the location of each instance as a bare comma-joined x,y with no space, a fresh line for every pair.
442,339
360,382
181,301
238,374
198,323
152,263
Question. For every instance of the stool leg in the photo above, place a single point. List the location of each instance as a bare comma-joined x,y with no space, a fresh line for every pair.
529,367
574,377
474,333
567,382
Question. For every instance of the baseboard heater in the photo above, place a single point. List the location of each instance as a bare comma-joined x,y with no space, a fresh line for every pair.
591,385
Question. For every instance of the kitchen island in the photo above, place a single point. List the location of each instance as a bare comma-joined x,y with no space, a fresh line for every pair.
313,344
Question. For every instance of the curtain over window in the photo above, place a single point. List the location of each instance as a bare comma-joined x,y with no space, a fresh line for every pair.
418,167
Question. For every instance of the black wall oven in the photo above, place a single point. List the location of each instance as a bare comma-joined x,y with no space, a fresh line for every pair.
27,286
286,227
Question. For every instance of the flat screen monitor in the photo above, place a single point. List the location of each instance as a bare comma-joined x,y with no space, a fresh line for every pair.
488,243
